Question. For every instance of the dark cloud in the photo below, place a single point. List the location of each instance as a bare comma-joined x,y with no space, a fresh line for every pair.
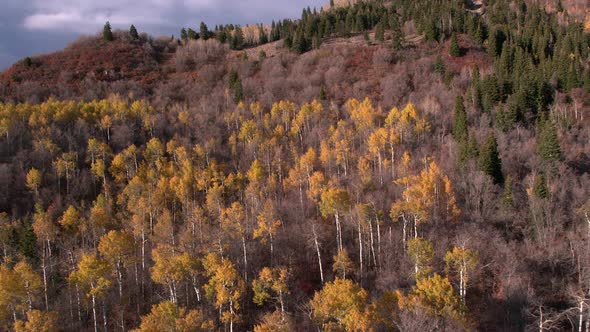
40,26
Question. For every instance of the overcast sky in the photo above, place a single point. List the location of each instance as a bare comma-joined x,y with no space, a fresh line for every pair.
30,27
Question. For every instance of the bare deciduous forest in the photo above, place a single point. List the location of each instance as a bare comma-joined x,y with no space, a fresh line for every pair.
404,165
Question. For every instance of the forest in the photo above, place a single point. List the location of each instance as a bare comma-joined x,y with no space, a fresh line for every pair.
405,165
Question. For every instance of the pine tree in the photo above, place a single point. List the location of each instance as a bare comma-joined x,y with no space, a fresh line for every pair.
235,86
439,66
548,147
262,36
192,34
183,34
508,196
133,33
107,33
495,41
460,126
323,94
540,189
204,31
489,160
468,150
454,48
379,33
237,40
397,35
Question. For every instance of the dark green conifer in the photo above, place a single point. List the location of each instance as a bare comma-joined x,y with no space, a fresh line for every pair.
540,189
397,35
379,33
133,33
107,33
460,121
548,141
235,86
489,160
454,48
507,195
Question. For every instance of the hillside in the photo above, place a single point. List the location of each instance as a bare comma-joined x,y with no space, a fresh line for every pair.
408,165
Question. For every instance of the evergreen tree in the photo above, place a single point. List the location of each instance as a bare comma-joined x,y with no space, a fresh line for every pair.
262,37
468,150
493,44
237,40
183,34
204,31
107,33
507,196
133,33
548,141
489,160
192,34
235,86
300,43
323,94
397,35
460,126
439,66
540,189
454,48
379,33
431,31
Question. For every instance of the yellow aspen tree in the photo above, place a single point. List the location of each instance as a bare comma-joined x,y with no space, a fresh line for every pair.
275,322
232,224
297,179
93,277
31,282
65,166
106,123
327,156
362,114
421,253
268,226
46,232
342,264
376,143
463,262
271,284
436,294
335,202
256,177
225,285
33,181
317,184
340,139
365,172
342,305
171,269
38,321
118,247
250,136
426,195
168,316
71,220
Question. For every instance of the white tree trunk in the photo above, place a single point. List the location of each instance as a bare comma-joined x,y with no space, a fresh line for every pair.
245,258
94,313
317,248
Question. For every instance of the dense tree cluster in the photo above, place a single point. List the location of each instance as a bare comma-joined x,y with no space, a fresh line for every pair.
221,211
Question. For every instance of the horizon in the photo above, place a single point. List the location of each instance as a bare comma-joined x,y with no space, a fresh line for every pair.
35,27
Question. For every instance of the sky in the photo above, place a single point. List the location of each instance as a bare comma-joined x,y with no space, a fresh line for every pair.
33,27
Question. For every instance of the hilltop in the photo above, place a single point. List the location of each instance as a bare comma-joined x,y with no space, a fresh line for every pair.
405,165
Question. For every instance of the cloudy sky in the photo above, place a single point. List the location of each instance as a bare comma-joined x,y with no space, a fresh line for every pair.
29,27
